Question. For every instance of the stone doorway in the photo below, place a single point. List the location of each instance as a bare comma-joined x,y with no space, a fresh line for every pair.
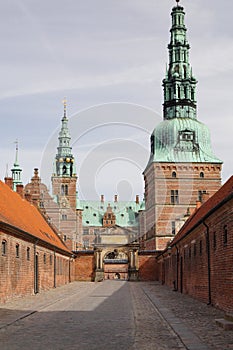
116,265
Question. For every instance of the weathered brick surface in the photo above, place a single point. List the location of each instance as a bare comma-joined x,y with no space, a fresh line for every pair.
17,273
85,266
159,183
148,268
115,271
186,265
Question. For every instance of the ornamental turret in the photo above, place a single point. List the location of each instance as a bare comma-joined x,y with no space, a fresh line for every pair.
64,162
179,83
16,170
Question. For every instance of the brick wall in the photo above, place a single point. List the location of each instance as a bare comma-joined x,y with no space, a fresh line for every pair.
17,267
188,180
148,267
85,266
16,272
186,266
116,271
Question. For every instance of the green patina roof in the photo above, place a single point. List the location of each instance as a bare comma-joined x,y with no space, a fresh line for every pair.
182,140
93,211
180,137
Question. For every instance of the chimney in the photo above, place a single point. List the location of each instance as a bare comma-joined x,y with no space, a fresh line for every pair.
102,198
19,190
9,182
115,198
137,199
204,197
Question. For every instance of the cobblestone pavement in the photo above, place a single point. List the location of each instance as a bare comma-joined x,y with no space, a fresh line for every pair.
111,315
197,317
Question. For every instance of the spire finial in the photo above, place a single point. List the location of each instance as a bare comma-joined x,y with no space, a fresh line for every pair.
16,150
177,2
64,104
16,144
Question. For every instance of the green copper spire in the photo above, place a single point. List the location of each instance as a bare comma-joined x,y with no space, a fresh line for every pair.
180,137
179,84
64,158
16,170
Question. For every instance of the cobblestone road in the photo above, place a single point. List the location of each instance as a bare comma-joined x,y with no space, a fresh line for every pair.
111,315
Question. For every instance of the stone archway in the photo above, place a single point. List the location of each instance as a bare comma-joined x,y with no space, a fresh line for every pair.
113,260
116,265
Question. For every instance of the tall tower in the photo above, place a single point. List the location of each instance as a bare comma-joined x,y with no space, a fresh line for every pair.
64,178
16,170
182,167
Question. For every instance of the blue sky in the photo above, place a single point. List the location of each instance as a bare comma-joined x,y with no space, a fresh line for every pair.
101,52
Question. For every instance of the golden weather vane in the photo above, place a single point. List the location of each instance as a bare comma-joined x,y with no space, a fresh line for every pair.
65,105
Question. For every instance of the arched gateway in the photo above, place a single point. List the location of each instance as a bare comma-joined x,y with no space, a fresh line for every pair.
119,263
116,265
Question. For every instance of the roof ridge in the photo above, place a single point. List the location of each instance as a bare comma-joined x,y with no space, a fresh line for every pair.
21,214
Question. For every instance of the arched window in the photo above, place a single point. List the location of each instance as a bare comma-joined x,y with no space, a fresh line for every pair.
28,253
4,247
17,250
62,190
174,174
178,88
66,190
202,174
192,94
185,72
64,170
169,93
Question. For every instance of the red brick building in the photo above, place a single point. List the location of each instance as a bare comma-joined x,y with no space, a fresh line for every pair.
33,257
199,260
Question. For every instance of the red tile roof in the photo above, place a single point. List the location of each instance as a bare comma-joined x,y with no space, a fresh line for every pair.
200,214
19,213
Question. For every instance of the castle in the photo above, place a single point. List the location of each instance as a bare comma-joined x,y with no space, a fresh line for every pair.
182,170
181,174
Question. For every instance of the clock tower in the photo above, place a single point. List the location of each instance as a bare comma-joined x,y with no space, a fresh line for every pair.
182,167
64,177
64,180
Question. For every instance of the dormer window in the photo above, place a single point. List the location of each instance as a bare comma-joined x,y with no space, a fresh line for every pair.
186,141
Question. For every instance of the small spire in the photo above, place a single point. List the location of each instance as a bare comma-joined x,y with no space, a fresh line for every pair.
177,2
65,105
16,170
16,151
